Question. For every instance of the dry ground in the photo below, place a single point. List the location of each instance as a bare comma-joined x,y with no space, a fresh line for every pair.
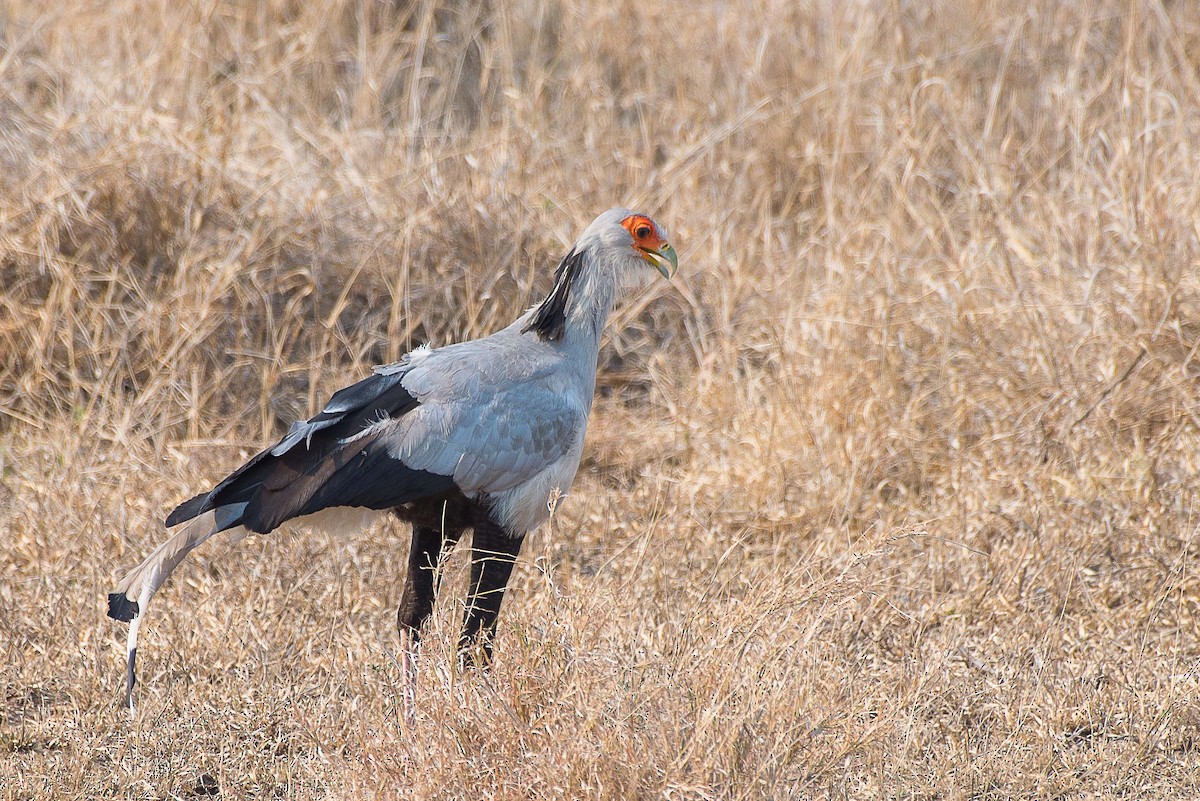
891,494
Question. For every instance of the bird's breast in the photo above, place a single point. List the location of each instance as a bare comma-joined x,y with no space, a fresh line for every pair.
528,505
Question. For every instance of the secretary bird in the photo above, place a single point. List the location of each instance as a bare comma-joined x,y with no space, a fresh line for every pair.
477,435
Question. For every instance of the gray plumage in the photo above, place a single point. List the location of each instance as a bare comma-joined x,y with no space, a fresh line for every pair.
497,423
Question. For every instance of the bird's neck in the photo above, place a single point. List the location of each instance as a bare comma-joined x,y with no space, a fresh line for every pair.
574,313
588,308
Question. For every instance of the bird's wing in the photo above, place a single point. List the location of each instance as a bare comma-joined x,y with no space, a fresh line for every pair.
492,413
494,443
338,457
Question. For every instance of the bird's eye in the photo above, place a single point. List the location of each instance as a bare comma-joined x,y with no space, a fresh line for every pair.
642,231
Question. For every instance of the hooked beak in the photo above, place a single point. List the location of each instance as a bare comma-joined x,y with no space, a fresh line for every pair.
663,259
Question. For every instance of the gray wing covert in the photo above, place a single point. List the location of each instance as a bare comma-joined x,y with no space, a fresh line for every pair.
495,443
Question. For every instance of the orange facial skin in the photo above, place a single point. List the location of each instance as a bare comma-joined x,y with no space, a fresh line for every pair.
644,232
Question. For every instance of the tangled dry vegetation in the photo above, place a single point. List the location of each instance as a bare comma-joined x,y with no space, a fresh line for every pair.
892,494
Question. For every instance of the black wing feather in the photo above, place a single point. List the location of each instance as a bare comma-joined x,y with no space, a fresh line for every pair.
321,463
374,479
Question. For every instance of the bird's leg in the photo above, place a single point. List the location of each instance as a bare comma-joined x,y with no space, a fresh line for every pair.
416,604
493,553
420,585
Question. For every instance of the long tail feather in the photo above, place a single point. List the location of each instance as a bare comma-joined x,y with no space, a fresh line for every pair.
130,659
133,594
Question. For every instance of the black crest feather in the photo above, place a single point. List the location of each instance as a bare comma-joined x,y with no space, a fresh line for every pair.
551,316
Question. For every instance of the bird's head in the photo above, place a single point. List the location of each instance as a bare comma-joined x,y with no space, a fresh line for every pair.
615,251
628,241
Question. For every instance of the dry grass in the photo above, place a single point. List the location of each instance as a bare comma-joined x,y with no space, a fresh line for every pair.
893,494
